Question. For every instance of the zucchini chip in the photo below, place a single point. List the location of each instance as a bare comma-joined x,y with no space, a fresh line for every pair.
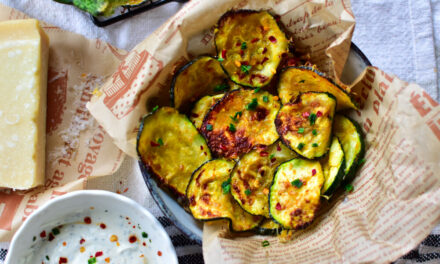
349,134
201,108
253,175
210,199
171,148
295,193
305,125
333,167
294,80
268,227
241,120
199,77
250,45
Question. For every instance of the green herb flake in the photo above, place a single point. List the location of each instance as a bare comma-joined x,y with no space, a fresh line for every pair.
312,119
232,128
221,87
144,235
349,188
252,105
92,260
300,146
271,156
47,257
314,132
220,59
236,116
300,130
315,145
226,186
160,141
34,238
245,68
265,243
209,127
55,231
155,108
362,161
302,81
265,99
297,183
257,90
247,192
243,45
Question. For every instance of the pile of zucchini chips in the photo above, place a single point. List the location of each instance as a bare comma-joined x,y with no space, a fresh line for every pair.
263,160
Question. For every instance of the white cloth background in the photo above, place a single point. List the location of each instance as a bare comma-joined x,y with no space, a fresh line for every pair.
398,36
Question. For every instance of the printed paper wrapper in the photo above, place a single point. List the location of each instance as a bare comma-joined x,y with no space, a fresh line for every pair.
77,147
396,198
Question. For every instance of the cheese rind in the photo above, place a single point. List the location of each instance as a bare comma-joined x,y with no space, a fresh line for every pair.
24,53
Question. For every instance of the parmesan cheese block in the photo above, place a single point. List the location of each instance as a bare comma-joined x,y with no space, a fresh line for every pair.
24,53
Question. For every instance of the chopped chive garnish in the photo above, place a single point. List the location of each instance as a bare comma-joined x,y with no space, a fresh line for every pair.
221,87
34,238
209,127
314,145
226,186
155,108
300,146
248,192
302,81
265,99
92,260
312,119
300,130
297,183
265,243
349,188
55,231
220,59
257,90
232,128
314,132
243,45
245,68
160,141
236,116
144,235
47,257
252,105
271,156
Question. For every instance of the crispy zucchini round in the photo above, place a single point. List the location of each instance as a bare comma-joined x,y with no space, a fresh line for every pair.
199,77
171,148
296,80
333,167
295,193
241,120
350,135
306,125
253,175
210,199
250,45
202,107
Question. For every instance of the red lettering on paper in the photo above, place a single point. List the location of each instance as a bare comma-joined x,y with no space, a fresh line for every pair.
9,204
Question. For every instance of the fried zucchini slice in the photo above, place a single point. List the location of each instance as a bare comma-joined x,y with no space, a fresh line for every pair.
295,193
241,120
296,80
250,45
333,167
305,125
349,134
253,175
202,107
210,199
268,227
171,148
199,77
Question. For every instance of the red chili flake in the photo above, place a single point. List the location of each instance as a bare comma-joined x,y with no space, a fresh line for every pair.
313,172
264,60
319,114
127,218
224,54
238,44
43,234
246,63
201,147
264,50
306,114
264,154
159,253
154,144
273,160
98,254
273,39
292,62
51,237
132,239
194,115
278,147
62,260
125,190
82,241
144,244
134,226
87,220
241,52
102,225
223,147
255,40
278,206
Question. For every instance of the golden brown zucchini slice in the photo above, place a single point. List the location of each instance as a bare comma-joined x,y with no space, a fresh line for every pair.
210,199
199,77
171,148
349,134
241,120
296,80
202,107
305,125
295,193
250,45
269,228
253,175
333,167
